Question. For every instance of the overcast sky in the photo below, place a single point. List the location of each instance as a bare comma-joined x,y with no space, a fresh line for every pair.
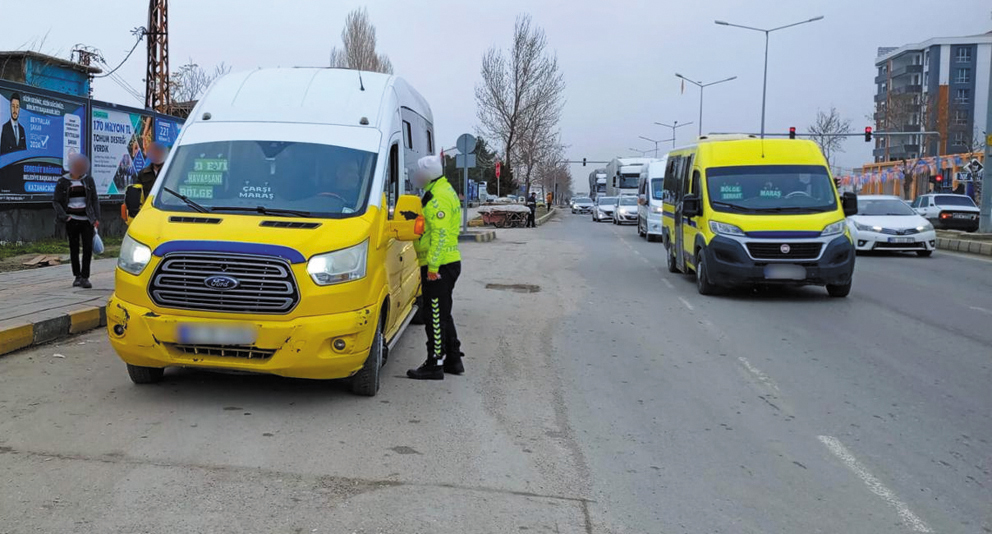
619,58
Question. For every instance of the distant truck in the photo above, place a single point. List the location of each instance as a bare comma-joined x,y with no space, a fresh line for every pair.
597,183
622,175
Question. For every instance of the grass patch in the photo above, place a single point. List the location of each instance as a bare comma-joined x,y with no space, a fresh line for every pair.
54,246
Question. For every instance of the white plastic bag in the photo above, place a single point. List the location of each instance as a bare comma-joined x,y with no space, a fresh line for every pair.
97,243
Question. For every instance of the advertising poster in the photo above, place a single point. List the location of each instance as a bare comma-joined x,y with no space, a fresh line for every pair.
37,135
120,139
167,131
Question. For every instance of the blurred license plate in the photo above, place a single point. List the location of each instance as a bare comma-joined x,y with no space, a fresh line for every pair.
193,334
785,272
962,216
901,240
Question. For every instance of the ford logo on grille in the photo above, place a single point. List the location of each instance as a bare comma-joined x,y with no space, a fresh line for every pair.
221,282
785,248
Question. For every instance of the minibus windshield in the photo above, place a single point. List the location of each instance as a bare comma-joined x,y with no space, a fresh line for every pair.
269,178
771,189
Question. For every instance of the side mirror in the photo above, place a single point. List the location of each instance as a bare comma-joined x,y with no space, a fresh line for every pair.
642,199
408,219
692,206
132,202
849,201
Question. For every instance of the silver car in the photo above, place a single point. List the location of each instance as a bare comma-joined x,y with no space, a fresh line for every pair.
582,205
625,210
603,210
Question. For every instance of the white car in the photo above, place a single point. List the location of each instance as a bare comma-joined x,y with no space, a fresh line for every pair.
625,210
603,210
948,211
888,223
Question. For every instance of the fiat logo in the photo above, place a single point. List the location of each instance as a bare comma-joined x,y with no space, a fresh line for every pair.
221,282
785,248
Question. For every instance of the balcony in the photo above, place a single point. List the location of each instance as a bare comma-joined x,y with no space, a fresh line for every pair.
906,89
881,78
881,97
907,69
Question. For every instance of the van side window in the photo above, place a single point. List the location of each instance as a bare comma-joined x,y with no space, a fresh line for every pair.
393,178
408,134
430,142
686,170
669,183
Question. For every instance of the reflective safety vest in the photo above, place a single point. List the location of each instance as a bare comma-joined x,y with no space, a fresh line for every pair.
443,216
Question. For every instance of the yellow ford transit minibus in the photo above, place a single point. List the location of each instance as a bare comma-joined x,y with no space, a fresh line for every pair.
278,238
744,211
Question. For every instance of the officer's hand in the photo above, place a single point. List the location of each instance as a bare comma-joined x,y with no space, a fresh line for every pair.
433,277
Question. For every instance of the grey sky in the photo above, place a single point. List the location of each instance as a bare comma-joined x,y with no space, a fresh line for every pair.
619,58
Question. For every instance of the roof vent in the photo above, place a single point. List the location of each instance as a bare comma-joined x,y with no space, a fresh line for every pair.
206,116
364,121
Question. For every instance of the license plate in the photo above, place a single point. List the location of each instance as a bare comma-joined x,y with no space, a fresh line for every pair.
962,216
194,334
901,240
785,272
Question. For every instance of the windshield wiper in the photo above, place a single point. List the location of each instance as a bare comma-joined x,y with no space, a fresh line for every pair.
792,209
263,210
734,207
186,199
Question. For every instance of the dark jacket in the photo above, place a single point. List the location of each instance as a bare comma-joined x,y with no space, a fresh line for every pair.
61,199
7,143
532,204
146,178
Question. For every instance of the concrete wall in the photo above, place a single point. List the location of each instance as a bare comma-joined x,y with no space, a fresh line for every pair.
36,222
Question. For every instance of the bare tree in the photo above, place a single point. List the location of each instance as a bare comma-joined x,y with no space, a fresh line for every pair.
538,147
825,132
358,52
521,91
909,112
190,81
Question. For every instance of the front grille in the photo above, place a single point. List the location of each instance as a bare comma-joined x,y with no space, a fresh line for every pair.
773,251
918,244
225,351
265,284
907,231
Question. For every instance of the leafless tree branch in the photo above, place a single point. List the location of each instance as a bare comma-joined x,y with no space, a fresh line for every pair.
824,132
359,46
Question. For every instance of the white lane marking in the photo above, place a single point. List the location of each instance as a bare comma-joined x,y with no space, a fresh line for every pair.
686,303
983,310
667,283
874,485
762,377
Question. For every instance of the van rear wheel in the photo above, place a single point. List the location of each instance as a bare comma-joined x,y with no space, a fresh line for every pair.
672,266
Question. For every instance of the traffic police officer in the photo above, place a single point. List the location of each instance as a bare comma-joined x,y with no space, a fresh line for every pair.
440,265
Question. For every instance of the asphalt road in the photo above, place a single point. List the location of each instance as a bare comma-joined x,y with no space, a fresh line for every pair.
612,399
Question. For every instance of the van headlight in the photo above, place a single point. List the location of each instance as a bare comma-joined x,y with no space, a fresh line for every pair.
658,209
720,228
836,228
134,256
339,266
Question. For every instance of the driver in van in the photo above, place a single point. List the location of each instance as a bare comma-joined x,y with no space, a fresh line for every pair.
346,183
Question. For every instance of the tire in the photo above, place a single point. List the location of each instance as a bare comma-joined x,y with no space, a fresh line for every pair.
703,284
924,253
651,238
145,375
672,267
839,291
366,381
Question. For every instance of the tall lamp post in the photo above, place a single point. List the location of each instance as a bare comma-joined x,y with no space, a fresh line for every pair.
641,152
702,86
655,141
673,127
764,86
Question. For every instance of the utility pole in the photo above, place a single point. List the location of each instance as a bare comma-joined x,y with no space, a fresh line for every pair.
157,94
985,217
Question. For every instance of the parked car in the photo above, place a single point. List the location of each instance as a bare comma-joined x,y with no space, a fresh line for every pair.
603,211
625,210
947,211
582,205
888,223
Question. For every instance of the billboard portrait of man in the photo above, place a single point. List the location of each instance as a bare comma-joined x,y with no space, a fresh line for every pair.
12,137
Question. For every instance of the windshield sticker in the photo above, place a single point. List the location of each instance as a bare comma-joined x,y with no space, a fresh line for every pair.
212,164
204,178
731,192
197,191
257,192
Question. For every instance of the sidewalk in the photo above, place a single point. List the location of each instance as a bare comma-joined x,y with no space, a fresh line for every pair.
40,305
973,243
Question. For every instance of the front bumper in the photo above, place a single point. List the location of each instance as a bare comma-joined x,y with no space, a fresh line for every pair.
654,224
299,348
867,240
728,264
581,209
604,215
626,217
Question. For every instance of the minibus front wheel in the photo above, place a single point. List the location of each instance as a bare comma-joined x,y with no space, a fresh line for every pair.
366,381
839,290
145,375
703,284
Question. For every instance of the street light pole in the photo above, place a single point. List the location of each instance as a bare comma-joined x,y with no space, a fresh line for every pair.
673,127
655,141
702,86
764,85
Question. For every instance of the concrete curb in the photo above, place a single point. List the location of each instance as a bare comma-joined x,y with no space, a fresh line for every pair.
47,330
982,248
479,236
544,218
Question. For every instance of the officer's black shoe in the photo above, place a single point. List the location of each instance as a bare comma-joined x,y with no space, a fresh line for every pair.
430,370
454,366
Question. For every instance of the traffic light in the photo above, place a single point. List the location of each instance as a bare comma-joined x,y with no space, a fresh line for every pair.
583,162
939,179
867,134
792,132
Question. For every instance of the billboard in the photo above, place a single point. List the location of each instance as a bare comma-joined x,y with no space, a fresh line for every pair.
38,132
167,130
120,139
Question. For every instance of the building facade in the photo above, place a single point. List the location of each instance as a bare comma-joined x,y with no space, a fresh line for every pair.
938,85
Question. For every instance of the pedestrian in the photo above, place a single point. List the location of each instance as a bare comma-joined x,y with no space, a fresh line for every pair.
77,207
440,265
146,177
532,204
549,198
